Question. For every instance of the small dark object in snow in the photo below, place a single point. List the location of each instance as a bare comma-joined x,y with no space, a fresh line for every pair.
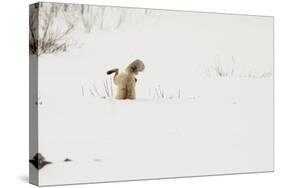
39,161
67,160
97,160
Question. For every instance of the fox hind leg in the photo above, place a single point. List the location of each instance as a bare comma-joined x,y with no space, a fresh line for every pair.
131,93
121,93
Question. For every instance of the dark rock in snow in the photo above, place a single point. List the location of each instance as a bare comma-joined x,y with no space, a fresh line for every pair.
39,161
67,160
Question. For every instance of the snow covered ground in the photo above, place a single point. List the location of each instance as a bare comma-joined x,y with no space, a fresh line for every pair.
226,129
218,125
110,140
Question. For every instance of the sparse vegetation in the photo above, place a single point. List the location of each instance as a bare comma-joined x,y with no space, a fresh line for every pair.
218,70
106,91
257,75
55,22
160,93
50,39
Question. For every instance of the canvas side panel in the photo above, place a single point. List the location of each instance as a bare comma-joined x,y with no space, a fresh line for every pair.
33,89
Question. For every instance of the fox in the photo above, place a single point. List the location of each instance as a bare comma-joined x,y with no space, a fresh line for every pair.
126,81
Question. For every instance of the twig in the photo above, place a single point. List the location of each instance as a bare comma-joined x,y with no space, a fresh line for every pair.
179,94
96,90
82,90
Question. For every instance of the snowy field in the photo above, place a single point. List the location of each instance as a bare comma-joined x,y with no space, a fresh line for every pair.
161,138
187,120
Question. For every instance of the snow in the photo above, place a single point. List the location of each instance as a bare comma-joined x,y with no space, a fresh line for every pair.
150,138
219,125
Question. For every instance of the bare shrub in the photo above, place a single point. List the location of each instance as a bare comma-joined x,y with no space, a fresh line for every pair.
160,93
99,17
57,21
51,39
106,91
122,18
88,18
258,75
218,70
266,75
233,65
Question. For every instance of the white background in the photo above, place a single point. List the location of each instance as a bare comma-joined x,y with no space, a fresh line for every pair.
14,91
